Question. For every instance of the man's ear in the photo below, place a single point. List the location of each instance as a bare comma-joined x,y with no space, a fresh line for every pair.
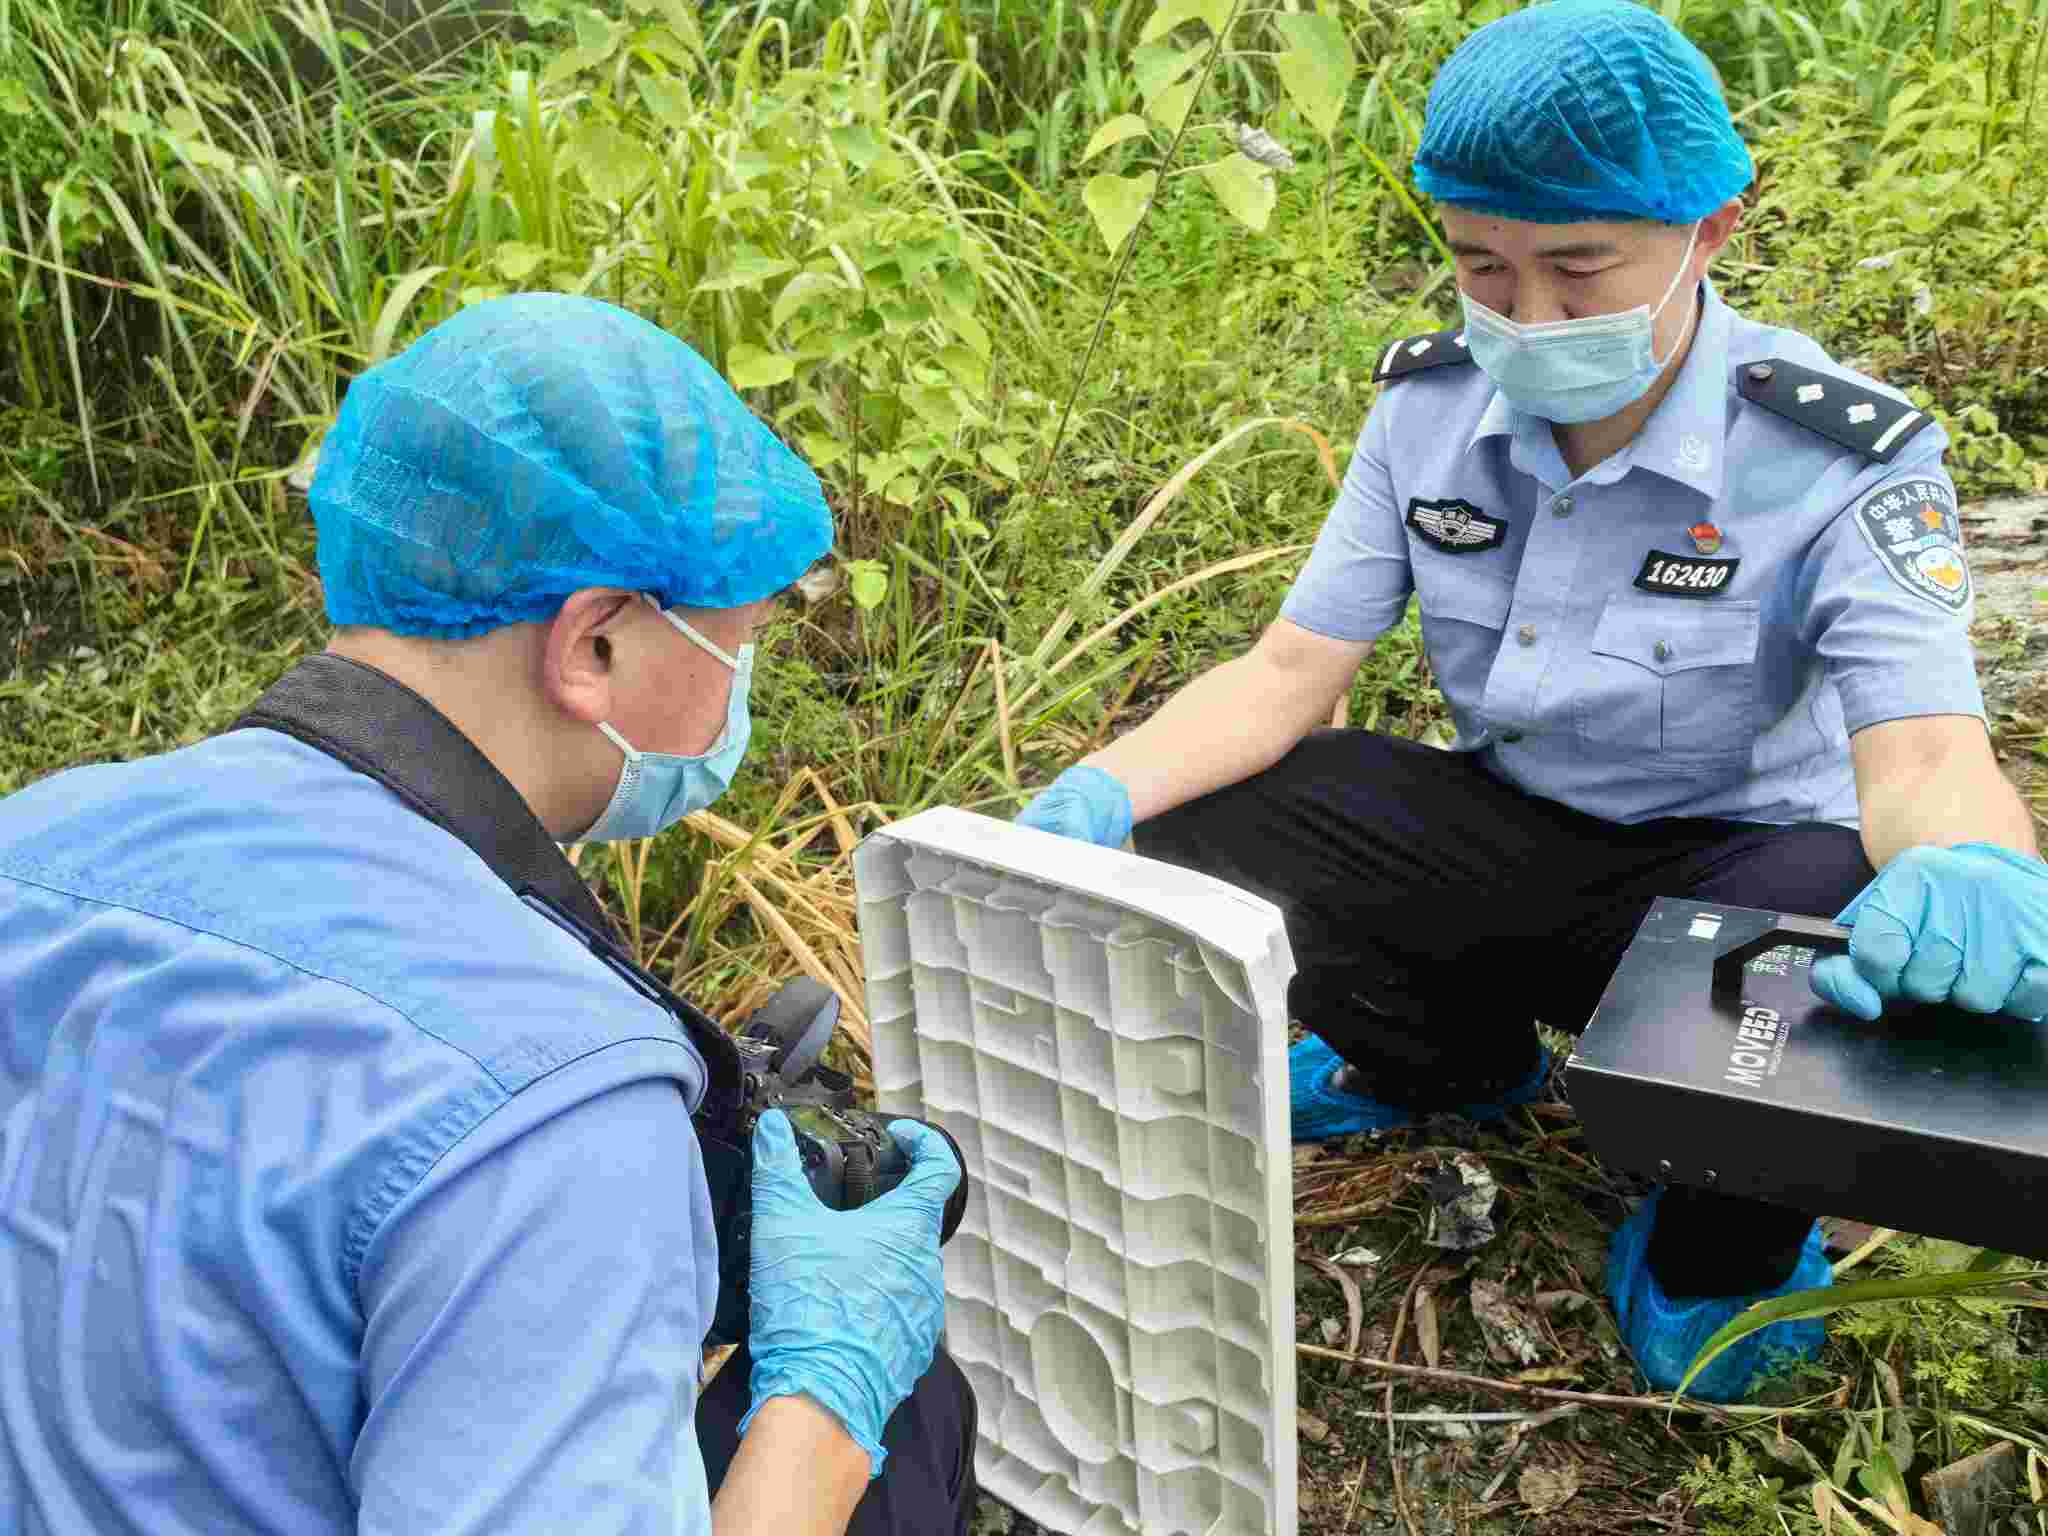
1716,229
576,656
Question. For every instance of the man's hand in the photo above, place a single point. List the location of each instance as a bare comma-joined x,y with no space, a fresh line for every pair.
1966,925
845,1306
1083,803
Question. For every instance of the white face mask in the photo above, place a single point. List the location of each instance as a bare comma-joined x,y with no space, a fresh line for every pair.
1572,371
658,789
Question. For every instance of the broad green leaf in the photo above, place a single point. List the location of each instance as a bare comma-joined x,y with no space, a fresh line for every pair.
1001,458
902,491
15,102
1213,14
1244,190
1171,107
800,290
749,200
677,14
936,407
858,143
1316,69
1158,66
613,165
823,450
961,321
750,367
519,262
594,31
667,98
1112,133
1116,203
867,581
748,270
571,61
966,365
957,284
132,123
1860,1293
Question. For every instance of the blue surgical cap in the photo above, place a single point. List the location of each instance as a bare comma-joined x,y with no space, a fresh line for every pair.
1580,109
538,444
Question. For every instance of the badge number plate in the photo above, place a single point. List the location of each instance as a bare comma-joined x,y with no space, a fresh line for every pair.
1670,575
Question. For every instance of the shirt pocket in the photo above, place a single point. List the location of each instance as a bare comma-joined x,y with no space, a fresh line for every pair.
1672,684
1463,614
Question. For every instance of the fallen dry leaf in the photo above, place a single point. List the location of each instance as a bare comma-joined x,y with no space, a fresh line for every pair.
1546,1488
1511,1334
1425,1325
1311,1427
1548,1373
1461,1204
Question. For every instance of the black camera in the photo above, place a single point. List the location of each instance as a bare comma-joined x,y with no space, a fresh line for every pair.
848,1154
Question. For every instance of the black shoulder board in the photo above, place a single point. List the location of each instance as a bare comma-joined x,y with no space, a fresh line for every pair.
1839,409
1414,353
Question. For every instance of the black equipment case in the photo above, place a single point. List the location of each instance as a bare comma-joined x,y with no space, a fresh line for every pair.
1710,1062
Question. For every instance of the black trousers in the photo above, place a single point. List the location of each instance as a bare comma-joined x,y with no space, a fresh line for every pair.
927,1484
1436,913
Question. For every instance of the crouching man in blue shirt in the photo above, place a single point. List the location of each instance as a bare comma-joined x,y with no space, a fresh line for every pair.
1696,598
348,1174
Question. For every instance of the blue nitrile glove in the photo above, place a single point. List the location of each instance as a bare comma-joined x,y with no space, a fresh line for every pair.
1966,925
1083,803
1663,1336
845,1306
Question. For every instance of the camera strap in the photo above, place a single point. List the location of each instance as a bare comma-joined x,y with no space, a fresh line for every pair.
376,725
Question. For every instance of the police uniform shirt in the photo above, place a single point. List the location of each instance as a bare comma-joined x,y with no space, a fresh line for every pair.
340,1190
1695,626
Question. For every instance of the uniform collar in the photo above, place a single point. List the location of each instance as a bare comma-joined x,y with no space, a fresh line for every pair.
1683,440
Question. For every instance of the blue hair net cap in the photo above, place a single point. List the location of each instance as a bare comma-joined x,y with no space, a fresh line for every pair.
538,444
1581,109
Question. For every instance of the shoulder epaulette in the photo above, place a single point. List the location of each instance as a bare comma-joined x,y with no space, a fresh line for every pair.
1412,354
1839,409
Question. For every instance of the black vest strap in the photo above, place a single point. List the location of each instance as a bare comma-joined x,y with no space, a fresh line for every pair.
379,727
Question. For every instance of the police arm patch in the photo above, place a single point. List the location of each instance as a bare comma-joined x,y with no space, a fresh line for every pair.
1456,527
1913,529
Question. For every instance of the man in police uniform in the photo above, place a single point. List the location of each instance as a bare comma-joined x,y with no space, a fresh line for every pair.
348,1176
1697,600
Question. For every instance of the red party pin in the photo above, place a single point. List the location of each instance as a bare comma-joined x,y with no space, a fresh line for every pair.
1706,538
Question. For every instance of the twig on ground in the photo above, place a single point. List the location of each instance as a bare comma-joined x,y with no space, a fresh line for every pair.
1555,1394
1875,1241
1393,1453
1541,1416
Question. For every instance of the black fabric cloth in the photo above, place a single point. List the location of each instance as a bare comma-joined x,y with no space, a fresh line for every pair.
927,1485
1436,913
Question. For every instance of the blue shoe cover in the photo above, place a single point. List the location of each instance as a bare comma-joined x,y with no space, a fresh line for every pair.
1664,1335
1321,1111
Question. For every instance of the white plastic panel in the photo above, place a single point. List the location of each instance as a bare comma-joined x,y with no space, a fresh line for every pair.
1106,1037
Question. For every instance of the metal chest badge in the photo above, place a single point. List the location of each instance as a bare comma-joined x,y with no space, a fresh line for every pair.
1706,538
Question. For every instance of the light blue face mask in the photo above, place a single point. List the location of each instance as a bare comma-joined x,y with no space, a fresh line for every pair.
658,789
1572,371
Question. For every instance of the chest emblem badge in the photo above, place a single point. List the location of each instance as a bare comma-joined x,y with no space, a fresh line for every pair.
1706,538
1456,527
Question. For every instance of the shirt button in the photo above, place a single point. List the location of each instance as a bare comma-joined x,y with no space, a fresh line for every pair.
1661,650
1561,506
1510,737
1527,634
